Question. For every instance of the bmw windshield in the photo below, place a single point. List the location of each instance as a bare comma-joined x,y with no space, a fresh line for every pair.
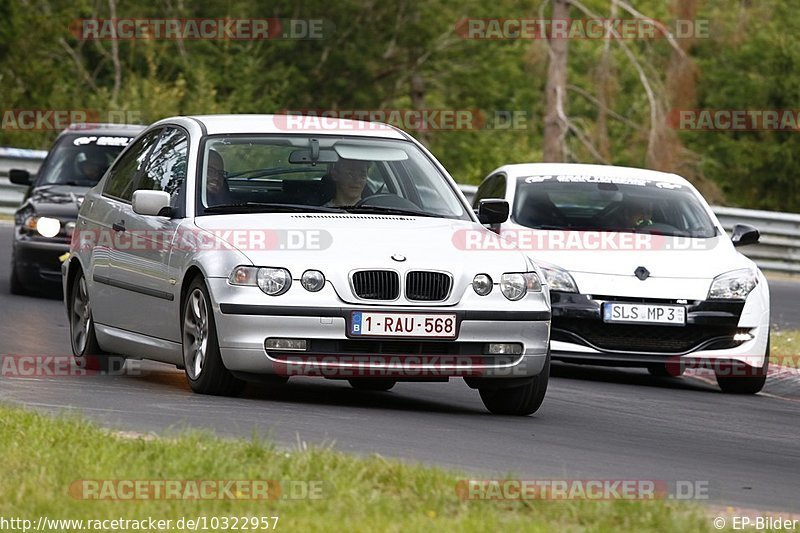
261,173
592,203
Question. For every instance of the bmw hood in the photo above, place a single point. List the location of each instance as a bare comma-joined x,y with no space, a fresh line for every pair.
359,241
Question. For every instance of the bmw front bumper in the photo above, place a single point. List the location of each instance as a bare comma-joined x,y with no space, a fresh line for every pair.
246,318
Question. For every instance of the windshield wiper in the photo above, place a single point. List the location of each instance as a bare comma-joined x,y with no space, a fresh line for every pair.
390,211
271,207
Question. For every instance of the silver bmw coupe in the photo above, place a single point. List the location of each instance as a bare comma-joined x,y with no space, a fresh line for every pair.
259,247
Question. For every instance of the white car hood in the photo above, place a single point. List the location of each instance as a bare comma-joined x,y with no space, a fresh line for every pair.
348,242
678,267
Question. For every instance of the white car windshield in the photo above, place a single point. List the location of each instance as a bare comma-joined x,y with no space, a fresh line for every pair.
334,174
592,203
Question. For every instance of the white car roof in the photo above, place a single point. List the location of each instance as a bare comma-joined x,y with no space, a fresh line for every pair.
580,169
289,124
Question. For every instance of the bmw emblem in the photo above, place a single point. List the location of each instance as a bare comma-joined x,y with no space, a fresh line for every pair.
399,257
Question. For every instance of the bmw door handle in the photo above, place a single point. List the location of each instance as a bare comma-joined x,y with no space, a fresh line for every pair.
118,226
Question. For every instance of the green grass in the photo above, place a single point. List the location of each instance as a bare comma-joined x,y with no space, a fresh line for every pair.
785,344
43,456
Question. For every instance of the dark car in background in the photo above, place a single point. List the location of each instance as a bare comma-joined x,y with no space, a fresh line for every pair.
44,222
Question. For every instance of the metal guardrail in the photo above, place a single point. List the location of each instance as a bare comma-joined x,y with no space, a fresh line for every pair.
11,195
778,250
779,247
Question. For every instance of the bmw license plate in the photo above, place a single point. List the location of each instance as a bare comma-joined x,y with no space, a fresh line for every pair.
671,315
369,324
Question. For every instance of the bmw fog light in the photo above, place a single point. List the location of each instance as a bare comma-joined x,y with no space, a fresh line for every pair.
504,348
286,345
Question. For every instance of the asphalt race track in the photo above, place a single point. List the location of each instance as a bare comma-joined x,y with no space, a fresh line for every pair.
595,423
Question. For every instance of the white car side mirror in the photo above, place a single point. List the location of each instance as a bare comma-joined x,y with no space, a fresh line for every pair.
152,203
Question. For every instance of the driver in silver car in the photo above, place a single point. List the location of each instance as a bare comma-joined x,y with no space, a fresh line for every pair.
350,178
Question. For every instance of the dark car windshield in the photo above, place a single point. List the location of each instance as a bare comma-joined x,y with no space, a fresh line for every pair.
322,174
81,159
591,203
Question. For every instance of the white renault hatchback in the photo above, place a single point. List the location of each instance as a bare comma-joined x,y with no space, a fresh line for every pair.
640,271
241,247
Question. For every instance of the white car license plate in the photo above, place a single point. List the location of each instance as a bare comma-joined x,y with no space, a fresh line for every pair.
365,324
672,315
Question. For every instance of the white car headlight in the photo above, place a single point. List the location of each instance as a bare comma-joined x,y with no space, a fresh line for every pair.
516,285
312,280
482,284
44,226
274,281
734,285
558,279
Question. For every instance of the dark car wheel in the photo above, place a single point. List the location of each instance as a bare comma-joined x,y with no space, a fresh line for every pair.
744,379
203,364
375,384
522,400
85,349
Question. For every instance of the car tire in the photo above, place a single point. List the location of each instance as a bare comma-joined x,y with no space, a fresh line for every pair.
86,352
521,400
15,285
205,371
373,384
752,383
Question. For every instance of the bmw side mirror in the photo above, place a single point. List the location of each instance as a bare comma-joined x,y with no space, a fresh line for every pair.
492,211
744,234
152,203
19,177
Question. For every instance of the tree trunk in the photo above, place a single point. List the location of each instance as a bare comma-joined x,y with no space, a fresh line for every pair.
556,92
418,103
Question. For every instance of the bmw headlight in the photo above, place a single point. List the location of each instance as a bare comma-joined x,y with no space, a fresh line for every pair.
558,279
734,285
516,285
272,281
312,280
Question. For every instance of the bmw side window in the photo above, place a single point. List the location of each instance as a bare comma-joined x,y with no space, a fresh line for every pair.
166,168
122,176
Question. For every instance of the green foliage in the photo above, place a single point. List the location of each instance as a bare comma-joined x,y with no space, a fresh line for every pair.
377,49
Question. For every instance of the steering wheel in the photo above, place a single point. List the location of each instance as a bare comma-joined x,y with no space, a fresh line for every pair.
387,200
